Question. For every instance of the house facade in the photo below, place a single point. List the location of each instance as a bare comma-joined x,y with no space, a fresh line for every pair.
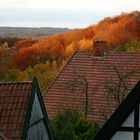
124,124
22,112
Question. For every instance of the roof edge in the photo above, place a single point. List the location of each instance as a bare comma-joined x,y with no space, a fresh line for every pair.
87,51
16,82
28,113
60,71
43,109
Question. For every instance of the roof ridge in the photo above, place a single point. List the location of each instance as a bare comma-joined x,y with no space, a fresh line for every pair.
16,82
108,52
61,70
83,50
123,53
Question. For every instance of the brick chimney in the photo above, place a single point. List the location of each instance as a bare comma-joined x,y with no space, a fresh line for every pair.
99,47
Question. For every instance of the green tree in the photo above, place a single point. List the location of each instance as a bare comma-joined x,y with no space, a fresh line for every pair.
23,76
42,71
12,75
71,125
132,46
69,49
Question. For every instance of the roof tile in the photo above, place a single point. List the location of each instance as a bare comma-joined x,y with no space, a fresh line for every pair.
13,107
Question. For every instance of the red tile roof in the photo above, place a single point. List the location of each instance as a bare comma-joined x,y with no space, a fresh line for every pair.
14,98
100,73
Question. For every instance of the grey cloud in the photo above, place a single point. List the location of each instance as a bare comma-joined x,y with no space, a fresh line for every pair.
49,15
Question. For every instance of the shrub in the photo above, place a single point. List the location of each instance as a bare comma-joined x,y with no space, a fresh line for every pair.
71,125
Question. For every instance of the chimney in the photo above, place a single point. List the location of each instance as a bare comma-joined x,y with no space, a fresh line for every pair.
99,47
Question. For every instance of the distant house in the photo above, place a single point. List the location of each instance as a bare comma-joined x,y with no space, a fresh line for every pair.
22,112
94,82
124,124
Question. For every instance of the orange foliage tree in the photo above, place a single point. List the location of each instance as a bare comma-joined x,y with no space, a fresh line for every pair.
24,43
24,58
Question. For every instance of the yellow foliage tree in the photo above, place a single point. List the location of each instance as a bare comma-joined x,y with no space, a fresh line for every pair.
23,76
69,49
54,65
85,44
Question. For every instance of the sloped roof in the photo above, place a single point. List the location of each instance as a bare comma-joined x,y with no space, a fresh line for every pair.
14,98
119,116
101,73
16,101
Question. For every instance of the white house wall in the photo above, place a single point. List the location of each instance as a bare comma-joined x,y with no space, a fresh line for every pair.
123,136
129,122
37,129
36,111
38,132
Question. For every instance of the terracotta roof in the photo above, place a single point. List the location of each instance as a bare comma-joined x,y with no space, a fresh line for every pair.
101,73
13,107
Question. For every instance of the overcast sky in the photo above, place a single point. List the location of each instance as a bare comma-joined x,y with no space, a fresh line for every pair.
61,13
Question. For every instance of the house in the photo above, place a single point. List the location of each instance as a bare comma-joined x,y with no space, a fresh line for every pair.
124,124
22,112
94,82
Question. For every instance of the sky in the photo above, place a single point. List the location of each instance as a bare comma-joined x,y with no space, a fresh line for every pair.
61,13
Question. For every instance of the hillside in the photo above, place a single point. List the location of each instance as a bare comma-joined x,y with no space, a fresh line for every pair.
22,32
43,56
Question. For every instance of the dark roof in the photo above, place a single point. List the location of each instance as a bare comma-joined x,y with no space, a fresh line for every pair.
120,115
16,101
100,73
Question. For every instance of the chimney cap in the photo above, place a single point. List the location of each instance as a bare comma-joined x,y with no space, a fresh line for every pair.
99,41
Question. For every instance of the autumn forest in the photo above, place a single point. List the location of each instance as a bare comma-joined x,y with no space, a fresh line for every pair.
44,56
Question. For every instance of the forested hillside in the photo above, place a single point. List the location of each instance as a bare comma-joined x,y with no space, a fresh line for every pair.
24,32
44,56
